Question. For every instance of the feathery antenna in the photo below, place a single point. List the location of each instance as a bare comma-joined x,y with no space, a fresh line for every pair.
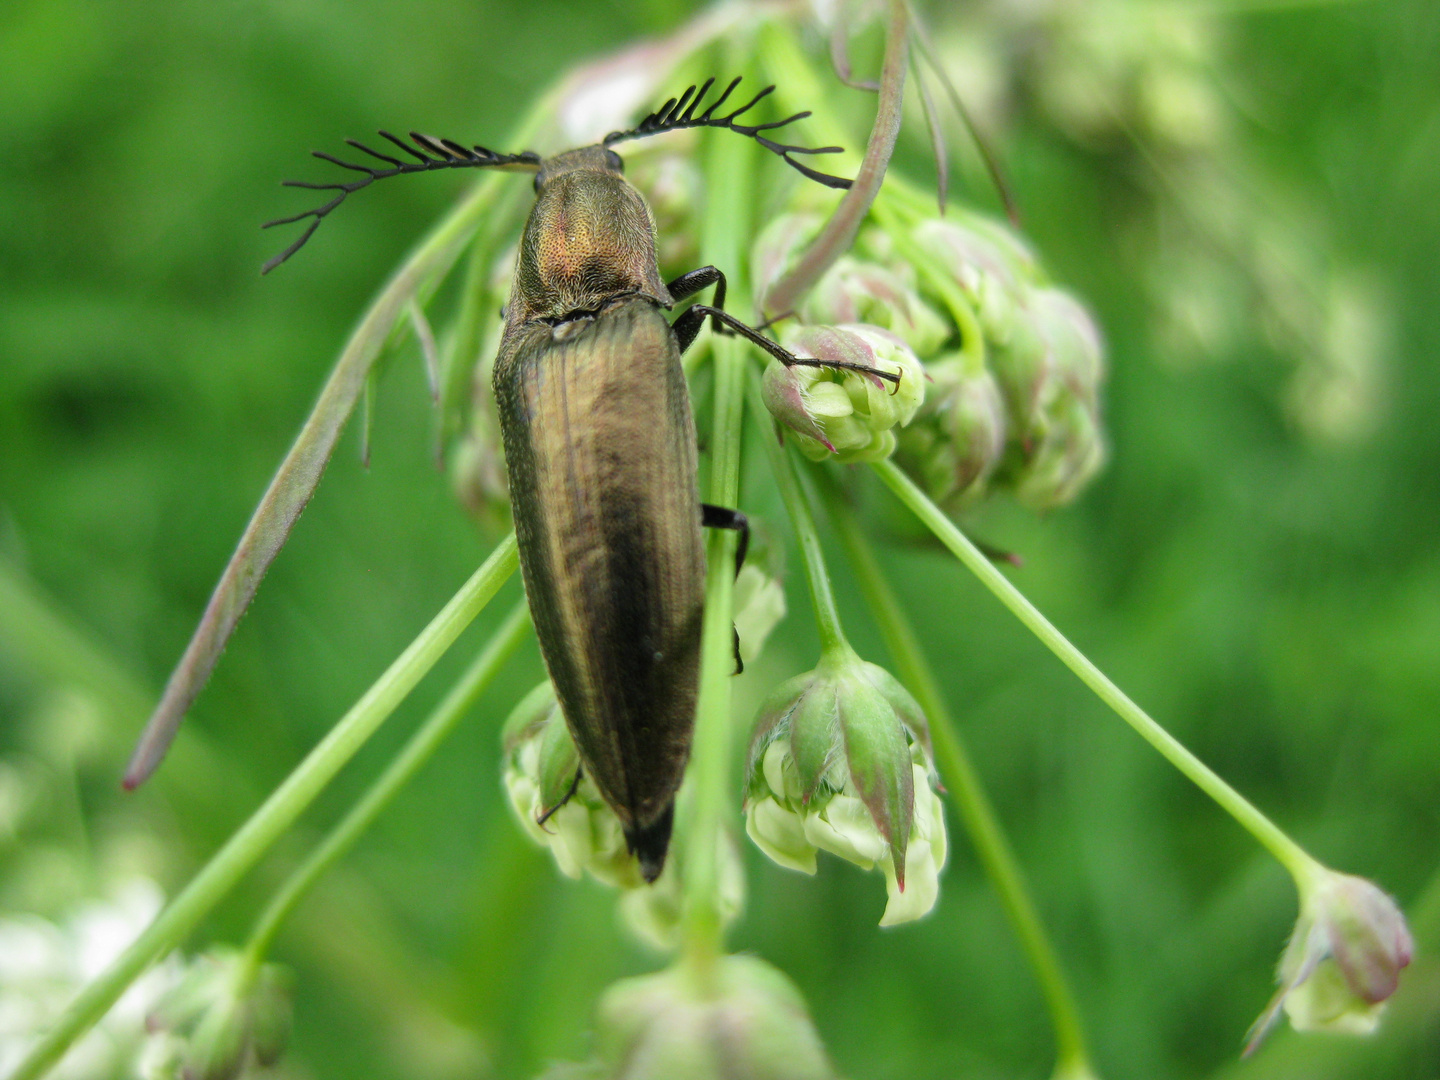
430,154
678,113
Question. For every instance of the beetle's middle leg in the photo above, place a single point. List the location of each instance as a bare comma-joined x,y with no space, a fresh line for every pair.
722,517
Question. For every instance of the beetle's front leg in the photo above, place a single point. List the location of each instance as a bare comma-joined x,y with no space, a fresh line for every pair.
697,313
688,284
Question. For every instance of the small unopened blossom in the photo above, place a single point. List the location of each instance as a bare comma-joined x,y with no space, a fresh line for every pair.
1063,443
840,762
845,413
759,607
958,436
225,1016
855,291
572,820
747,1020
779,246
992,266
1343,961
665,170
478,468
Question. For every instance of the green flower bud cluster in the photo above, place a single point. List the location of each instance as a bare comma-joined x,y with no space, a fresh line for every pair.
666,171
223,1016
840,761
749,1020
582,832
1012,368
478,470
1038,347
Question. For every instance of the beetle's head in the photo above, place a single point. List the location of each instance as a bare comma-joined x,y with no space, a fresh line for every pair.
587,159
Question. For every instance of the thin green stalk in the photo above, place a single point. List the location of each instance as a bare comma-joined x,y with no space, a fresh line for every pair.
277,814
839,232
1302,866
962,781
416,752
726,221
827,617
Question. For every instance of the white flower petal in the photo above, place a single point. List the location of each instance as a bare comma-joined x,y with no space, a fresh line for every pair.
922,885
844,827
570,838
1325,1002
772,765
828,400
778,833
930,817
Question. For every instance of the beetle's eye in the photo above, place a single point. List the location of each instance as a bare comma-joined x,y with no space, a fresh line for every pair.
615,161
537,182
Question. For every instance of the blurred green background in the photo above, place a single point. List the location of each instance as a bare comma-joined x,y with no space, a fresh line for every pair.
1264,578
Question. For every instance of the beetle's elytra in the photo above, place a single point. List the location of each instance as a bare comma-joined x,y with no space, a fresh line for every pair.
600,449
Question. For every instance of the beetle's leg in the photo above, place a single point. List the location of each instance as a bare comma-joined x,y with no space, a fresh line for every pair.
778,351
688,284
574,787
691,282
722,517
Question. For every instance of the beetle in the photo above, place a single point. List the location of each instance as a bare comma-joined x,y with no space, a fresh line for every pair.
600,446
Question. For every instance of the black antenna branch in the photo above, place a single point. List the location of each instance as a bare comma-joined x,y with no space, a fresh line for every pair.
430,154
679,113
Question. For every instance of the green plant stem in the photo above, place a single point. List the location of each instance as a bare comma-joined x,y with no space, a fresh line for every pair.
1302,866
827,617
416,752
962,780
726,220
275,815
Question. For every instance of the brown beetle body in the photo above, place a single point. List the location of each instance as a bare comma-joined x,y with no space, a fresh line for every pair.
600,451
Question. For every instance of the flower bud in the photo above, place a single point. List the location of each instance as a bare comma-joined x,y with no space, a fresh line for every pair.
226,1014
478,472
1343,960
748,1021
540,763
759,607
992,266
865,292
958,436
583,833
847,413
840,761
666,172
778,247
1063,446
